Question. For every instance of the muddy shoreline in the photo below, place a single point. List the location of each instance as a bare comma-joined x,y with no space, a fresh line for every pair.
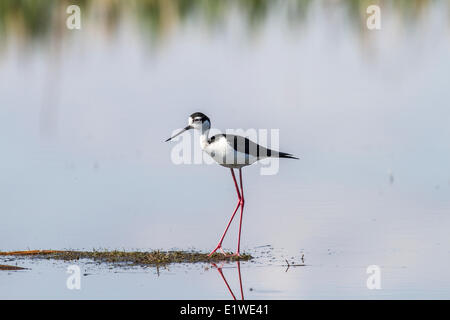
130,258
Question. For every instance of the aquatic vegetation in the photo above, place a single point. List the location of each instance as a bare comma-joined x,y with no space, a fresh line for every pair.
34,21
136,258
10,268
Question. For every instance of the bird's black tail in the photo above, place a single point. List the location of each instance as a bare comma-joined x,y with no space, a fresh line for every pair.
286,155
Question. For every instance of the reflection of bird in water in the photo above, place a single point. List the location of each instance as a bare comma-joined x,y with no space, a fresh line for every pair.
233,152
225,280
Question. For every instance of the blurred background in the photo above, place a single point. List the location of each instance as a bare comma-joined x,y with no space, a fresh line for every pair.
84,113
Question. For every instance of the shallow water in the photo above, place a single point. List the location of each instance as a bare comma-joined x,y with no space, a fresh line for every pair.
331,275
83,117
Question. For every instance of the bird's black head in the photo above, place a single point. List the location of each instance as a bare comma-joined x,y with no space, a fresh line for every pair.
198,117
198,121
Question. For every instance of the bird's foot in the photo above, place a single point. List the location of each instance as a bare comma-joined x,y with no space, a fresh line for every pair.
236,254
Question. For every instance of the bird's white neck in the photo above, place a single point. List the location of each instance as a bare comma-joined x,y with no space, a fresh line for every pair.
206,125
204,138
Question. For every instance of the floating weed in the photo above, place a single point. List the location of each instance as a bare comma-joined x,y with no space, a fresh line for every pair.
137,258
10,268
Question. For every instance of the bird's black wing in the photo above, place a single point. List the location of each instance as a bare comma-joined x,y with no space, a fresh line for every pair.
245,145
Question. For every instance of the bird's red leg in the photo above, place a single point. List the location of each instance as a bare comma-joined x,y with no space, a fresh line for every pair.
241,203
219,245
225,280
240,279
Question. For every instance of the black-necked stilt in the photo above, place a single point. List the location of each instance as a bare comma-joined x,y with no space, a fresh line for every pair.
233,152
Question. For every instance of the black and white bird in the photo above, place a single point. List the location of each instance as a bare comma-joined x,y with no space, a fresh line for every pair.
233,152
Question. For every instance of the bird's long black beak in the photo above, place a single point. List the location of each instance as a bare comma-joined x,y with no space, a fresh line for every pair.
185,129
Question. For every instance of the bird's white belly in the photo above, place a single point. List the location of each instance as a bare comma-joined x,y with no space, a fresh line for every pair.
226,156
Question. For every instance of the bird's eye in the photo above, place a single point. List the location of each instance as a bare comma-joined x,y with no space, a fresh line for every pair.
198,119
